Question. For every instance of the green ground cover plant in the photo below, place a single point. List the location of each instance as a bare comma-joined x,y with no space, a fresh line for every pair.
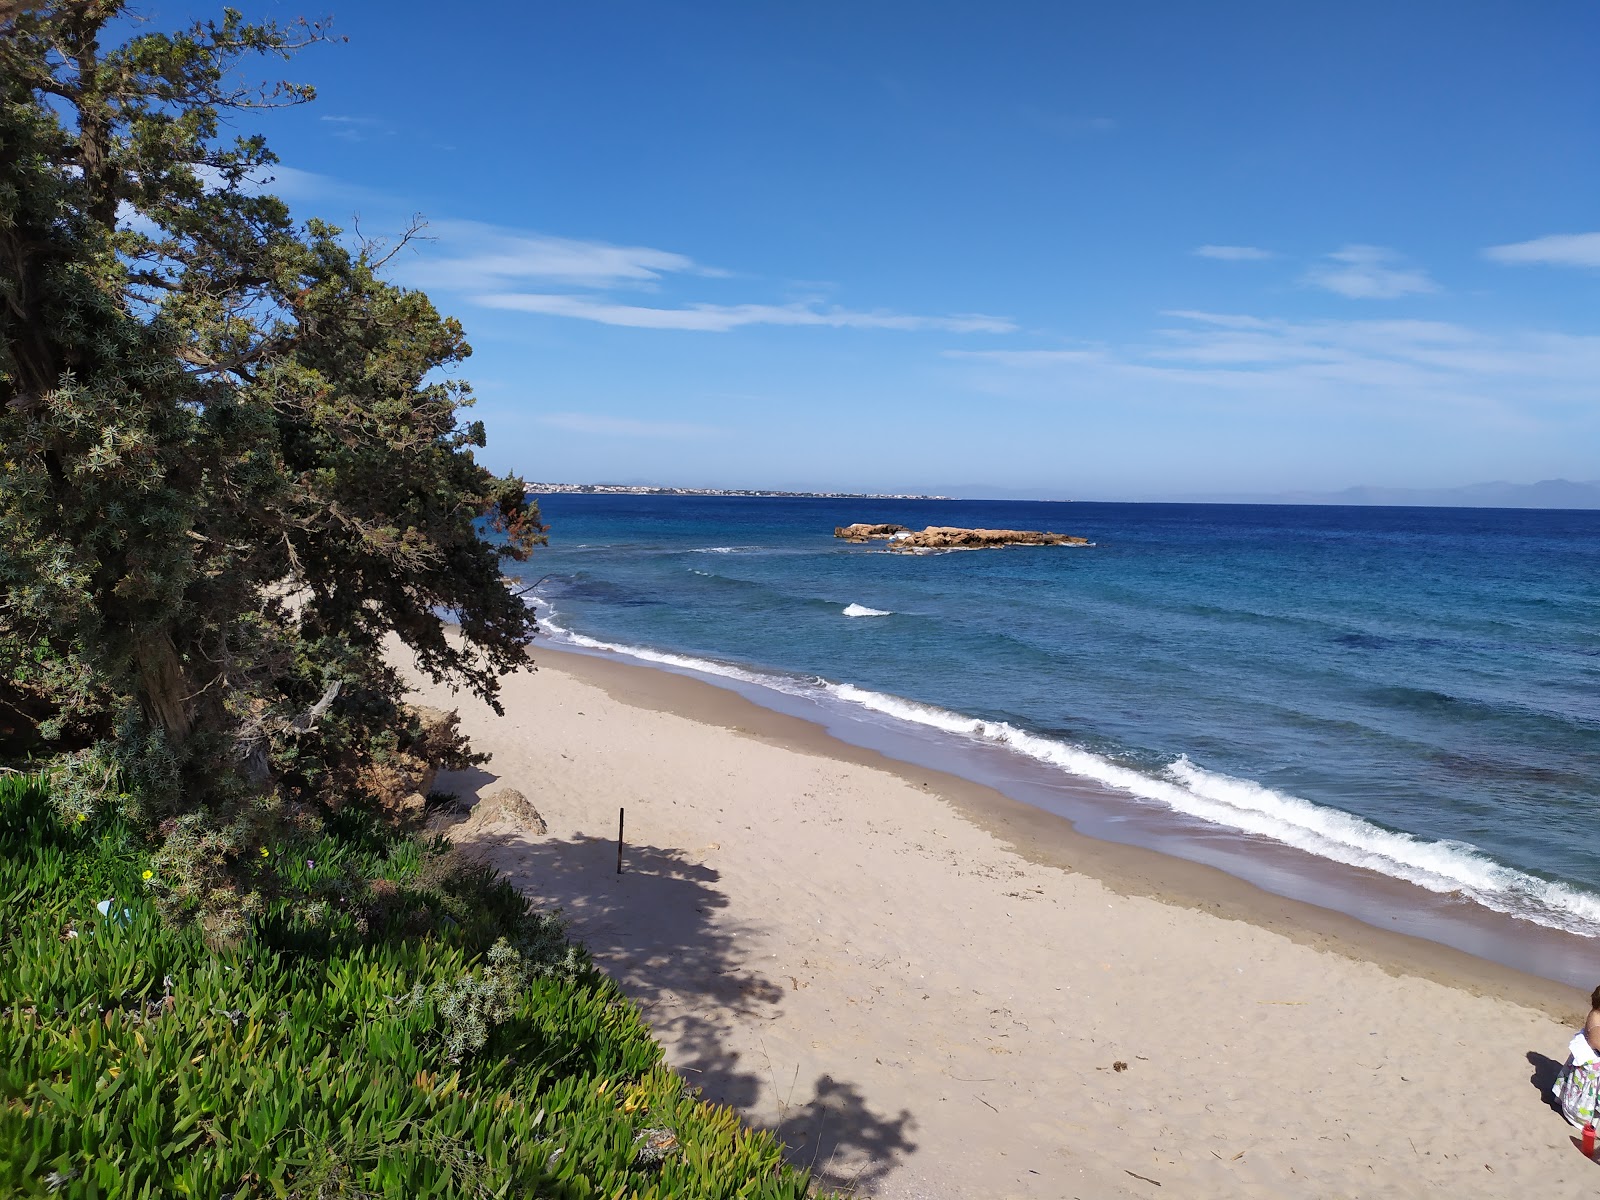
421,1034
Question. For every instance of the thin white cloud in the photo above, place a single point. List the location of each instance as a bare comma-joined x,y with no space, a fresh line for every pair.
487,264
1026,359
356,129
720,318
1361,272
1234,253
1404,365
1225,320
1068,125
518,271
473,256
298,187
602,426
1556,250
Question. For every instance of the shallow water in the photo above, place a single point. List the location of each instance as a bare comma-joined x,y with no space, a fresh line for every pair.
1409,691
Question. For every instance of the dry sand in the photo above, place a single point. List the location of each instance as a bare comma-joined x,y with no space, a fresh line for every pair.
929,989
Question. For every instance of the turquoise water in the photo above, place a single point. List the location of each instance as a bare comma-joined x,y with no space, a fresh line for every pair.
1410,691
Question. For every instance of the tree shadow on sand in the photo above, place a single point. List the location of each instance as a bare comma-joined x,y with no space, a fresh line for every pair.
841,1140
663,931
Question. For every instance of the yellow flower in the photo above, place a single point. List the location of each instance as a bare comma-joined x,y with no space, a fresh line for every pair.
83,816
149,874
264,852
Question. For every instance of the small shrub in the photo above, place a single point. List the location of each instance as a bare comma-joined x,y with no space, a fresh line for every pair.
471,1006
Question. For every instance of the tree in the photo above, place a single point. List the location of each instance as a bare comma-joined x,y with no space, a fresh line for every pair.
232,461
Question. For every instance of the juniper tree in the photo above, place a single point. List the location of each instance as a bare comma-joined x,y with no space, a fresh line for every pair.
232,460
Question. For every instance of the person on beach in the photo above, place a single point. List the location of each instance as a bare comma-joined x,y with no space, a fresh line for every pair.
1578,1085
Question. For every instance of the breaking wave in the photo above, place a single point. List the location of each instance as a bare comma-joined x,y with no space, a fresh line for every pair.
861,610
1442,867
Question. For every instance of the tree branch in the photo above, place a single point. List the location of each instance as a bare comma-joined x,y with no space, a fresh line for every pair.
10,10
413,233
307,719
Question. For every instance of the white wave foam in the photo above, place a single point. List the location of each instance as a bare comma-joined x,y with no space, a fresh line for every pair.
861,610
719,549
703,666
1442,867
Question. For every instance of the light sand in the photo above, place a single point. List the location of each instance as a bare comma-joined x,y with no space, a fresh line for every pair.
901,973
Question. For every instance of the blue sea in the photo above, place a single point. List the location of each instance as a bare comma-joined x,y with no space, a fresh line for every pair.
1407,691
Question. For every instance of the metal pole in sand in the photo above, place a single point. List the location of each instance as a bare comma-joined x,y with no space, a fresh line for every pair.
621,812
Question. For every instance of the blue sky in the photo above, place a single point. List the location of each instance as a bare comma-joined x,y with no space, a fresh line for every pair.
1105,251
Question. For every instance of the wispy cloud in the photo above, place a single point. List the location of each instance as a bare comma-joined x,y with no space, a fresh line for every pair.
1557,250
1234,253
490,266
301,188
1069,125
720,318
1401,364
1033,359
356,129
602,426
517,271
472,256
1369,273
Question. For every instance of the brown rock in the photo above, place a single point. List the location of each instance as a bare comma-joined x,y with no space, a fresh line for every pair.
508,806
950,537
411,805
863,533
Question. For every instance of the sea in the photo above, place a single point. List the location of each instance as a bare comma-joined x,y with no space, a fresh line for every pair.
1338,703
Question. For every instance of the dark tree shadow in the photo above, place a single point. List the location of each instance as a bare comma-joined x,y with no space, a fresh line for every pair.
467,787
844,1143
662,930
1545,1070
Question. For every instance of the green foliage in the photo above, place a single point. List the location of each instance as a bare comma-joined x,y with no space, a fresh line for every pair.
135,1062
232,457
48,850
474,1004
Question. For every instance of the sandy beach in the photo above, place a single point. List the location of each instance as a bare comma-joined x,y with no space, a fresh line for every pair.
931,990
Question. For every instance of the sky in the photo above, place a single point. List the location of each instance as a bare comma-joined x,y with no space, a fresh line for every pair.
1101,251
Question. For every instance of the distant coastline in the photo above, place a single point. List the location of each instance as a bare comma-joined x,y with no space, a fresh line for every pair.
642,489
1547,493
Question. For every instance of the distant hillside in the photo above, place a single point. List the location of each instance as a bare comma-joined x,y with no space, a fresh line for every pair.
1547,493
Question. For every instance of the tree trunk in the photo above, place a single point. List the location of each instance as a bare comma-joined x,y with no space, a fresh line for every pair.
94,120
164,687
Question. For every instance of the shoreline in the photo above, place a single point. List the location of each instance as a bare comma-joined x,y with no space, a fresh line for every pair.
1049,839
929,990
1292,744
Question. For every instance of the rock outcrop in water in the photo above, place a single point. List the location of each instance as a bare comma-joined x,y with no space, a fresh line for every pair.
950,537
865,533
